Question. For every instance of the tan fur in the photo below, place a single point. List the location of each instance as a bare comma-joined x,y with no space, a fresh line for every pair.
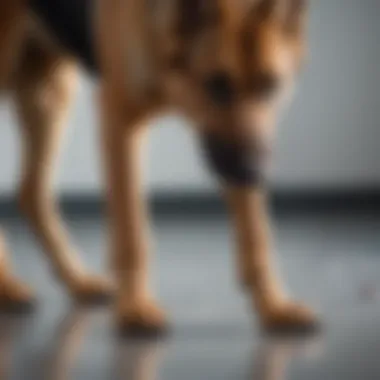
140,58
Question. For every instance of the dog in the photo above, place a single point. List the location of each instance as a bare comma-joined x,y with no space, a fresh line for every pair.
225,64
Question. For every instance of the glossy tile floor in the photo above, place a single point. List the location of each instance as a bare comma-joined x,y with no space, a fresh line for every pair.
331,261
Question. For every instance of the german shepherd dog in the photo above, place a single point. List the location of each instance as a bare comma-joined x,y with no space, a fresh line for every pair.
226,64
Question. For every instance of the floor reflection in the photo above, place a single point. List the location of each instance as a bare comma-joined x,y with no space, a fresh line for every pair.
274,355
60,358
139,360
130,360
11,328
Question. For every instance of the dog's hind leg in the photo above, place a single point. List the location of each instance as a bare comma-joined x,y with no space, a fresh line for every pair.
43,90
13,295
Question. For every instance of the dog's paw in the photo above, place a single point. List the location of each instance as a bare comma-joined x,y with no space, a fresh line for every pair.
290,318
15,297
141,320
92,290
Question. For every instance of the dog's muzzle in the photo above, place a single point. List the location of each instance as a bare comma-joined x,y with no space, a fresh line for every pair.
233,163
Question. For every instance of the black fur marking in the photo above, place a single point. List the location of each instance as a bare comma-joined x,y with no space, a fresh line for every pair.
70,21
232,163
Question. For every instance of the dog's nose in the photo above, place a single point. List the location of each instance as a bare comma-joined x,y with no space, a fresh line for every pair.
220,88
264,84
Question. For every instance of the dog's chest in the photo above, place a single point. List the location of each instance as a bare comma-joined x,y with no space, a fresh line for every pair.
70,23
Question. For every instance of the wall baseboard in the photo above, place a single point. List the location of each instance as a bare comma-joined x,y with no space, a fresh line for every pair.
204,203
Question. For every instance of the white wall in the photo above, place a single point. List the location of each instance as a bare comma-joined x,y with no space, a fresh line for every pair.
330,137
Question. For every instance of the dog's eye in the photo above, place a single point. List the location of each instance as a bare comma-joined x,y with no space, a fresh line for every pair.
220,88
265,84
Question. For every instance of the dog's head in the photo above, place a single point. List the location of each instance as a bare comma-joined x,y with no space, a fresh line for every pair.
235,62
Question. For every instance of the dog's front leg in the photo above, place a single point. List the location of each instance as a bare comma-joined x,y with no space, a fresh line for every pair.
250,216
122,138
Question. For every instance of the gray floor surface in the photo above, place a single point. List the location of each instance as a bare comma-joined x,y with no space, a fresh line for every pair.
330,261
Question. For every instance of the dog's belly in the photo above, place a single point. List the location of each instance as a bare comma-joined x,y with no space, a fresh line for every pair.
70,23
